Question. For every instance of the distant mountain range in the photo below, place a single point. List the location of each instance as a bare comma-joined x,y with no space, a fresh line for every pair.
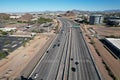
74,10
116,10
91,12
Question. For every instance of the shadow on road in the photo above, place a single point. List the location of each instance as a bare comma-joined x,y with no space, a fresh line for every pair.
23,78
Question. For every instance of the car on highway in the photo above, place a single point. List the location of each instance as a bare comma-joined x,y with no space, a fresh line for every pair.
35,76
47,51
54,45
58,44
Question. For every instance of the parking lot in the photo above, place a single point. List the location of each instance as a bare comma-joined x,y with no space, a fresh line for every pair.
9,43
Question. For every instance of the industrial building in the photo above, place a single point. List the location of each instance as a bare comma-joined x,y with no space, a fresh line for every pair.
113,21
8,29
114,45
96,19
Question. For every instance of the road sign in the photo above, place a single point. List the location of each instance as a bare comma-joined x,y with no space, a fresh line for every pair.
76,26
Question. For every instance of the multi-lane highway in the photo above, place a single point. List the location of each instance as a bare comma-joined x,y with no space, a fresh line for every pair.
68,58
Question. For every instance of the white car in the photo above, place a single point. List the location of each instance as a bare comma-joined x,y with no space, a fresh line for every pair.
36,75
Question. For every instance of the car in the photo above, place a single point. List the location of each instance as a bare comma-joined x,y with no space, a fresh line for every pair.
47,51
54,45
58,44
35,76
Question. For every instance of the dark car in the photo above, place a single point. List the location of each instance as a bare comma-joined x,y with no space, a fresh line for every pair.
54,45
47,51
59,44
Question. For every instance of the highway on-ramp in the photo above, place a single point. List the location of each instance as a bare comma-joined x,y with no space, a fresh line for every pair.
67,58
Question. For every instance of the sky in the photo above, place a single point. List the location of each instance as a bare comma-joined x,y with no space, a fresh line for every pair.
55,5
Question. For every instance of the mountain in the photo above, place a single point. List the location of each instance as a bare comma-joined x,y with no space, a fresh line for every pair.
113,11
76,11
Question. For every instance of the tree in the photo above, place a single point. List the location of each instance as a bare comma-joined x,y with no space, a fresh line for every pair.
42,20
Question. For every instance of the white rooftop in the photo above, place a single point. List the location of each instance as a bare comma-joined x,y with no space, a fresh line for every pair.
114,41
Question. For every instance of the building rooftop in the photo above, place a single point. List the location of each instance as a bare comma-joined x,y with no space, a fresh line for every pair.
96,15
114,41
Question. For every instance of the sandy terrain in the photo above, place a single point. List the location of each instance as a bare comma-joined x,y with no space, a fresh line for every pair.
113,64
16,25
106,31
17,60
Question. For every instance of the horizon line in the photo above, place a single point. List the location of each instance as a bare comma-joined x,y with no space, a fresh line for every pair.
58,10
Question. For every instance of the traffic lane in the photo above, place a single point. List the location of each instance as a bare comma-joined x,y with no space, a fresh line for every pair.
72,69
76,60
55,64
51,47
63,59
85,63
86,59
47,63
44,74
54,69
83,59
67,60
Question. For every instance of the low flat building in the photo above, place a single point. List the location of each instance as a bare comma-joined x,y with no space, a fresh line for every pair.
7,29
113,21
114,45
15,16
114,41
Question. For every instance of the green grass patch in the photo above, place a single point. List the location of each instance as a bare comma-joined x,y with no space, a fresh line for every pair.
42,20
3,54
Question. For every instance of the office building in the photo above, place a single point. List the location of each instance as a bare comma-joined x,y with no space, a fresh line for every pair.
96,19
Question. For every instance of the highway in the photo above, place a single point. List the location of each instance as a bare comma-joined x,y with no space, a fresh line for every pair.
67,58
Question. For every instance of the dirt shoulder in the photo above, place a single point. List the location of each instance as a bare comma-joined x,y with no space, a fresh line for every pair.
105,30
102,56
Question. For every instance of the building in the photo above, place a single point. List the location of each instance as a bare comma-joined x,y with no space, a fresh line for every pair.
113,21
114,45
96,19
15,16
8,29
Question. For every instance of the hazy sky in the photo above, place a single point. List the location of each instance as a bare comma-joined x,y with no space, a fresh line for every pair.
53,5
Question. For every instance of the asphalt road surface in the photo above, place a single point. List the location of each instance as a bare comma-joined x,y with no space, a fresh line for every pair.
68,57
